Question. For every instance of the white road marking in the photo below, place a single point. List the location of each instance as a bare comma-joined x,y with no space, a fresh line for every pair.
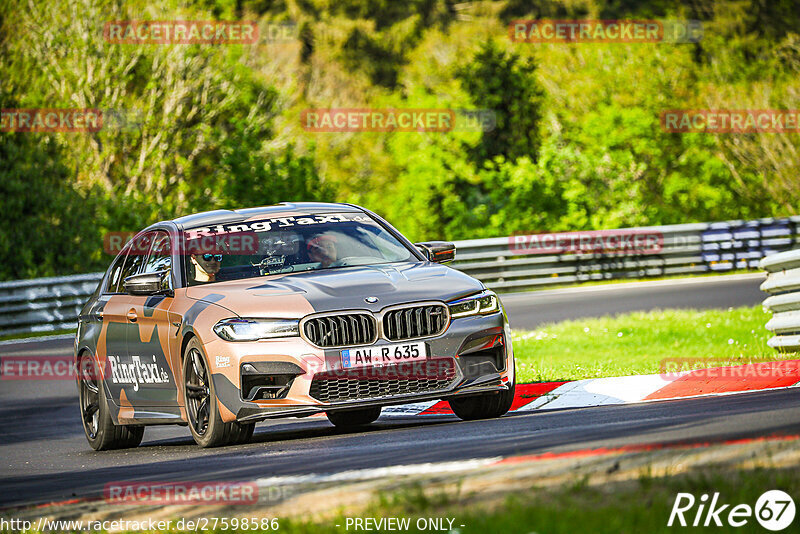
407,409
630,388
39,338
378,472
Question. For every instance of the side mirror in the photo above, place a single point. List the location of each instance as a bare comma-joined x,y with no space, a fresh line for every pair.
148,284
438,251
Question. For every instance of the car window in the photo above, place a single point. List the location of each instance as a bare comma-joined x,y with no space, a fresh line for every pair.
288,245
135,260
160,257
115,277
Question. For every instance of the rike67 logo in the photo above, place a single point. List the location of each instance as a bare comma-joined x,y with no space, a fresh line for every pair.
774,510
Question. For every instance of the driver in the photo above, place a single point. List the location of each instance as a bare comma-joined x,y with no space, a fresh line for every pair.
206,266
322,249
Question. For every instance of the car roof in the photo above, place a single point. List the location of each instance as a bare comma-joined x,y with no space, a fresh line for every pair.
283,208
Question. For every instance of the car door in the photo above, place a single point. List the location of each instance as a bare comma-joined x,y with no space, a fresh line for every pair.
148,339
113,344
106,316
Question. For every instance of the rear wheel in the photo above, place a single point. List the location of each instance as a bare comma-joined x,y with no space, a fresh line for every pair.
487,406
101,432
205,422
353,418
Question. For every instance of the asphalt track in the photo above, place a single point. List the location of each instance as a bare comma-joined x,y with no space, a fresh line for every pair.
528,310
44,456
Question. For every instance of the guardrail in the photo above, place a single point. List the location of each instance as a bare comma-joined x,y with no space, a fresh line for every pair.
783,286
44,304
503,264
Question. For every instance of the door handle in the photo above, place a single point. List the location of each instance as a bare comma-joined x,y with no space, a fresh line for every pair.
132,317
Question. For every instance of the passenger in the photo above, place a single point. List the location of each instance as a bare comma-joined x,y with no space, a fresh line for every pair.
322,249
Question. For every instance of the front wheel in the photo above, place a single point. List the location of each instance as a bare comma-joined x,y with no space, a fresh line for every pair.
353,418
486,406
101,432
205,422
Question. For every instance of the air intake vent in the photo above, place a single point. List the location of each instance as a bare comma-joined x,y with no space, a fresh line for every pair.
343,330
387,381
415,322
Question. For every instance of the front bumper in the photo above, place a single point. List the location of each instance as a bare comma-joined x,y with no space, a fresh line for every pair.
479,349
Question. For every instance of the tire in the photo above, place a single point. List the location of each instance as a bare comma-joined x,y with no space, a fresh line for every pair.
486,406
101,432
202,410
242,433
245,433
354,418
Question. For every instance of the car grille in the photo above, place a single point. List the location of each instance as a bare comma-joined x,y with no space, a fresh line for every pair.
386,381
341,330
414,322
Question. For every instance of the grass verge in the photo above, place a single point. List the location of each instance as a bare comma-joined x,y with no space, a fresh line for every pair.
636,343
643,505
638,505
26,335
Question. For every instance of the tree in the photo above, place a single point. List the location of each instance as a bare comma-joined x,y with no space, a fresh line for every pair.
50,228
505,83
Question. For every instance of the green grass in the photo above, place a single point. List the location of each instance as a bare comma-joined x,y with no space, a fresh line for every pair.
633,506
26,335
642,505
636,343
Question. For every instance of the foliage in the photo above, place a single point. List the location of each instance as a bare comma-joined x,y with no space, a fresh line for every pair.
48,227
577,142
505,83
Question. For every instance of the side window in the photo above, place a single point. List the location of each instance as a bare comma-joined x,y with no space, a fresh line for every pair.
160,254
134,264
115,278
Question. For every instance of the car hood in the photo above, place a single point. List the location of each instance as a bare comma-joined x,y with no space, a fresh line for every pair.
298,294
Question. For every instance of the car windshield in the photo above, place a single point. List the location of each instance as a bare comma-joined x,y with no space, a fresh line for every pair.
288,245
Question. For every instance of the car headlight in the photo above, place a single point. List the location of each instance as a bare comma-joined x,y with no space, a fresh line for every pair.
480,304
243,329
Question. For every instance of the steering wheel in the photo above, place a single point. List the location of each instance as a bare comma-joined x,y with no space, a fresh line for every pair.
268,265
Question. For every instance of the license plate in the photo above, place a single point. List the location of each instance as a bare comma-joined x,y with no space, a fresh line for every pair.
384,355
